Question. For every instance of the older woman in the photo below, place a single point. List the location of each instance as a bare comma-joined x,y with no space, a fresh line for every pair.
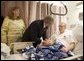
13,27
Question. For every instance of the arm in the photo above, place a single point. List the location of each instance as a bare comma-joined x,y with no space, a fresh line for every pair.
72,42
23,26
4,30
72,46
69,48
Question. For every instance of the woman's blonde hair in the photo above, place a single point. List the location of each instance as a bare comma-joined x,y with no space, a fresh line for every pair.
11,14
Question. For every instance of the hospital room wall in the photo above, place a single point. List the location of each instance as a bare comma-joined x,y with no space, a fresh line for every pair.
73,11
73,21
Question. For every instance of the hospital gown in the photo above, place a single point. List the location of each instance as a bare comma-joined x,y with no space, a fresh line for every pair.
65,38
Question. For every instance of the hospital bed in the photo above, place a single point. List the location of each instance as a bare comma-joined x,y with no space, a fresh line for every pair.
78,51
18,46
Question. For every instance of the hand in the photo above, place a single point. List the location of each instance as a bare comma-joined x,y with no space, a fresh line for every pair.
64,49
41,45
48,42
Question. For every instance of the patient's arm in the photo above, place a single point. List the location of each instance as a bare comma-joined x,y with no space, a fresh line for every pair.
72,46
69,48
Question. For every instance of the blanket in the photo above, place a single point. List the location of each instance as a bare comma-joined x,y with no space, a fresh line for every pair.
46,53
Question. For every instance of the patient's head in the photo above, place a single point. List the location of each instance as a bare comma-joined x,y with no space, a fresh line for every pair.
62,27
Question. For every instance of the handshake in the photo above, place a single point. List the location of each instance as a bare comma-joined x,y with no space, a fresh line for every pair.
46,42
49,42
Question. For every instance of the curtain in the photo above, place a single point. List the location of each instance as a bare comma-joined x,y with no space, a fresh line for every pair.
33,10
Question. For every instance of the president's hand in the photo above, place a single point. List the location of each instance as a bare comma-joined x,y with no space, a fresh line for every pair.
48,42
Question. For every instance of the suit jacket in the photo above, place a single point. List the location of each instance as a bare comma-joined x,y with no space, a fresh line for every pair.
34,32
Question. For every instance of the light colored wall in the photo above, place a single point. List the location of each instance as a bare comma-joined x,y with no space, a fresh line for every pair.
72,19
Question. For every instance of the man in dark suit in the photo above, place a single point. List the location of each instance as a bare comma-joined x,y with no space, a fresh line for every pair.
36,30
